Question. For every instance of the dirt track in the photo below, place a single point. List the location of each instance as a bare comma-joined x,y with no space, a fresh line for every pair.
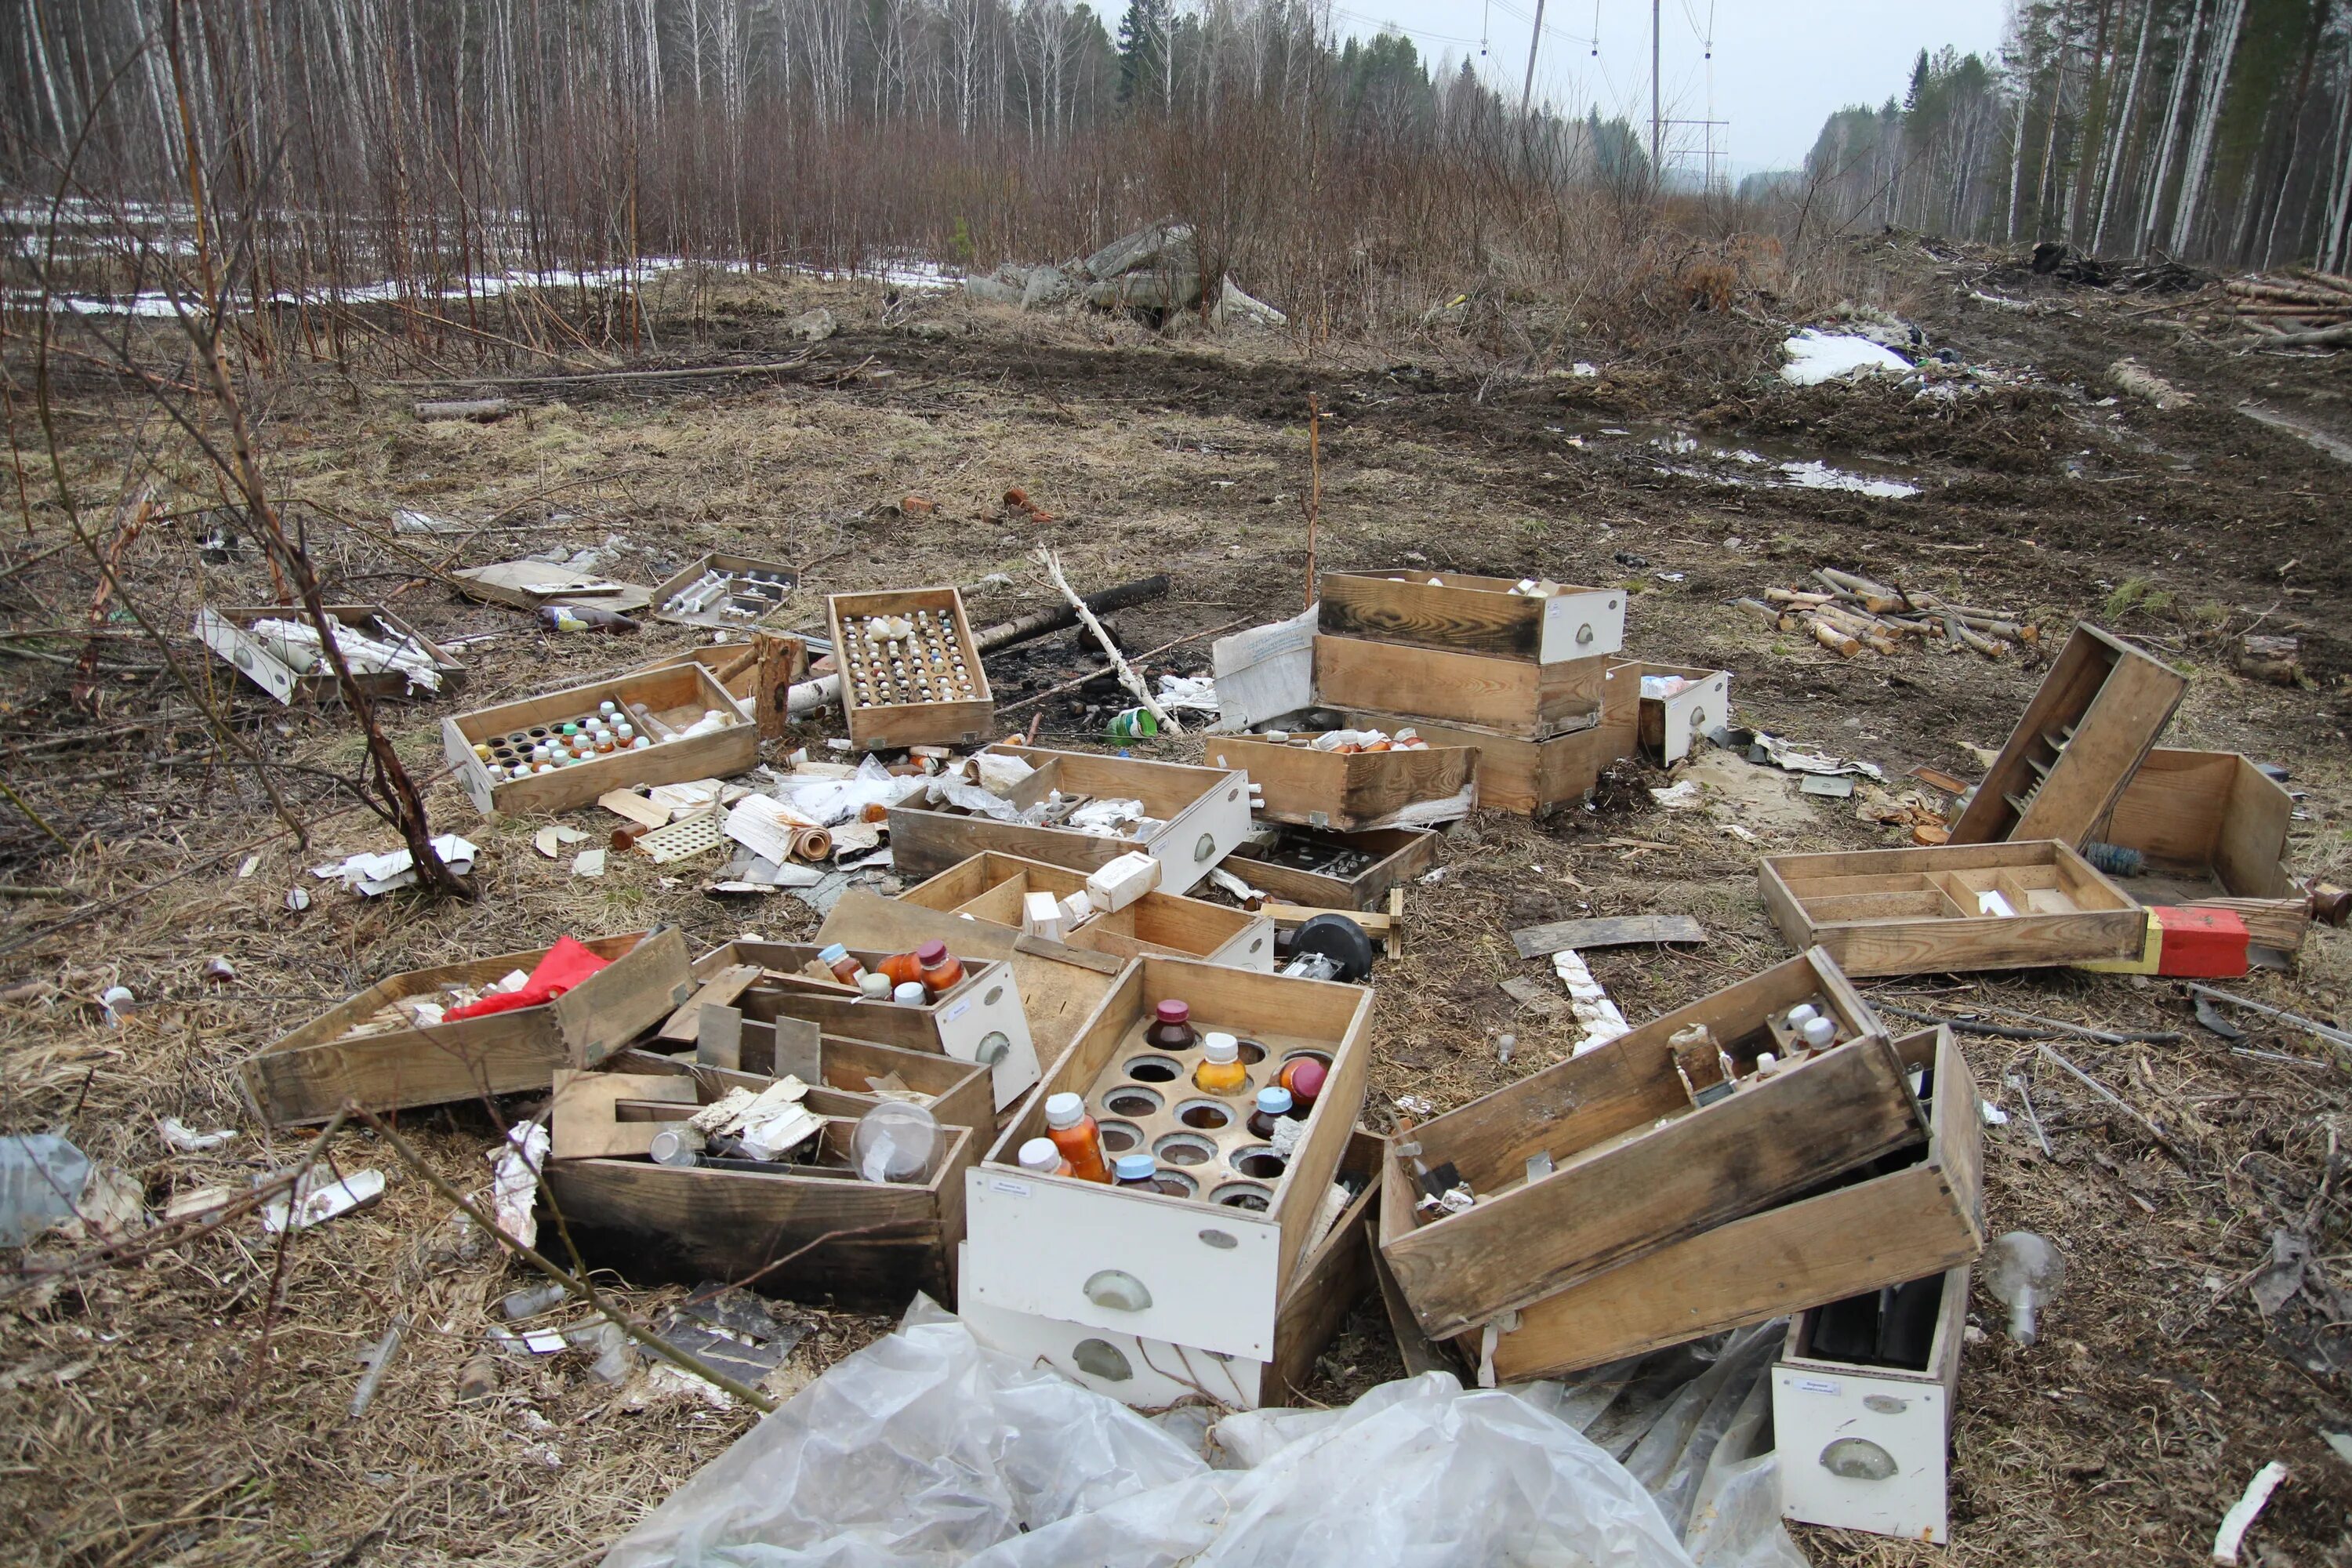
2158,1389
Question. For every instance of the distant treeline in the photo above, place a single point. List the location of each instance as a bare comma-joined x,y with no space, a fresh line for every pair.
2213,129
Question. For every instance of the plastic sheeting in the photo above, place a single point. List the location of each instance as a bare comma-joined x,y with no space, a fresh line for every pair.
926,1448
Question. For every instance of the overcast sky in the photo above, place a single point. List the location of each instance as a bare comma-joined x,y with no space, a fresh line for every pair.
1781,67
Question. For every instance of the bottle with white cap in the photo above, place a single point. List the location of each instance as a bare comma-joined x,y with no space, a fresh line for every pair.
1077,1135
1818,1032
1221,1071
1042,1157
910,994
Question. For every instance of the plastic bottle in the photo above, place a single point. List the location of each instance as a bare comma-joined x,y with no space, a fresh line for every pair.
1171,1027
877,987
1221,1071
942,970
845,969
1078,1136
1138,1171
911,993
2024,1273
1132,724
1042,1157
901,967
676,1146
1304,1078
41,1181
585,618
1272,1106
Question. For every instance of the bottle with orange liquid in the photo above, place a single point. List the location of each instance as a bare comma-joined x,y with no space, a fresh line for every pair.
1078,1136
903,969
941,970
1221,1071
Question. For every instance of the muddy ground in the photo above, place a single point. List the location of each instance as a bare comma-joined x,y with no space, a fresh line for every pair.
188,1406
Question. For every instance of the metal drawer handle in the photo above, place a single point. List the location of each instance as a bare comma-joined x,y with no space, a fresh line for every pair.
994,1046
1584,634
1118,1292
1885,1403
1699,720
1102,1359
1858,1459
1206,848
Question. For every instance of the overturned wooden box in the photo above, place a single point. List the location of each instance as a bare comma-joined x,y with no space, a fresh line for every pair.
1316,869
2094,718
370,1051
725,592
2025,905
1529,777
1463,612
2212,827
990,889
1151,1375
228,631
1195,814
1908,1214
1596,1160
979,1019
1675,721
1532,701
925,687
1353,792
816,1231
1210,1269
660,703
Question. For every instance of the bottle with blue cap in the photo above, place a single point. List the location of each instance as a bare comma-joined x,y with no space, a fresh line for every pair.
1272,1106
1136,1170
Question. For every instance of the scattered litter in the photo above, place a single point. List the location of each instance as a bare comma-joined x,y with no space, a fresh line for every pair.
114,1002
1845,614
1815,357
554,837
514,1180
42,1178
371,874
1789,758
1415,1105
1994,1116
1602,1020
2024,1273
188,1141
296,899
2242,1513
588,863
733,1330
1828,786
320,1196
1618,931
218,970
247,867
1681,796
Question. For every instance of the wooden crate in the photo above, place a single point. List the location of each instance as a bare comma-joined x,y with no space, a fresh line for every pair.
689,1224
738,666
2214,828
224,630
979,1019
988,889
1536,777
1597,1159
883,714
1672,725
527,585
958,1091
1153,1374
1468,614
1398,855
1907,1215
307,1075
1215,1275
736,567
1533,701
678,695
1355,792
2097,712
1907,1414
1914,911
1202,813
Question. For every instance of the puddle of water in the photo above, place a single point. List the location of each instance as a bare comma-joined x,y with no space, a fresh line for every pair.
1670,450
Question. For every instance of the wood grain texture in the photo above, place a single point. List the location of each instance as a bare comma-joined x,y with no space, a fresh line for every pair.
678,581
1531,700
1345,794
988,888
1532,777
1399,854
1331,1278
1617,931
1465,613
584,1123
684,1026
682,688
924,842
625,998
890,726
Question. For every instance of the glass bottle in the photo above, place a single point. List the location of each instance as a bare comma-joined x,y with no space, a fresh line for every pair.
1042,1157
2023,1272
911,993
1171,1027
1138,1171
1272,1106
902,967
1304,1078
1221,1071
836,956
942,970
1078,1136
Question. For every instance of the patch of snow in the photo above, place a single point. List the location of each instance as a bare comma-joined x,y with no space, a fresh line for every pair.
1815,357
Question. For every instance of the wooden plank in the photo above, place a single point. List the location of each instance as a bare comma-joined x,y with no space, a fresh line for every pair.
718,1036
1334,1275
1534,701
1267,671
1349,793
1532,777
583,1123
1707,1166
1471,614
684,1026
1617,931
625,998
686,577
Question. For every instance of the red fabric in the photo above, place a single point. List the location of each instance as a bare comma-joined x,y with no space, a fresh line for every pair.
566,964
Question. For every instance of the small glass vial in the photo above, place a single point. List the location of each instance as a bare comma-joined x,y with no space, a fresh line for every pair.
1221,1071
836,956
676,1146
1171,1027
1042,1157
1272,1106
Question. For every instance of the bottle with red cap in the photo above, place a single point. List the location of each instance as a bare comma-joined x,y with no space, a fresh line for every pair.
1303,1077
1171,1027
941,970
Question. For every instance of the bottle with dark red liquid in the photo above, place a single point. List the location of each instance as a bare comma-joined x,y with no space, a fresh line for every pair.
1171,1027
1272,1106
1304,1078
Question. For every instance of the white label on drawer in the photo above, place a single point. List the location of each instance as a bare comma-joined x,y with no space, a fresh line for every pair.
958,1011
1020,1190
1819,1385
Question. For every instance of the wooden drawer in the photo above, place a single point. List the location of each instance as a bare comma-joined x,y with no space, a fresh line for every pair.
777,578
226,631
980,1019
307,1075
1535,701
1213,1276
958,1091
1672,725
2214,828
1201,814
1355,793
2091,720
1382,858
1593,1162
1903,1415
988,888
1919,911
1905,1216
880,715
1535,777
678,696
1469,614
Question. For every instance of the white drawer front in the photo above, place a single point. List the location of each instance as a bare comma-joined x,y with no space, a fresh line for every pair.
1150,1374
1691,714
967,1025
1202,834
1036,1242
1583,625
1813,1408
1250,949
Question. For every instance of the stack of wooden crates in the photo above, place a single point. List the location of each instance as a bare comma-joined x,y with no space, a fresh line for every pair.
1540,685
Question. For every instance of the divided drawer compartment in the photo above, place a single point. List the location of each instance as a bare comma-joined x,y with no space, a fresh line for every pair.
1470,614
988,888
